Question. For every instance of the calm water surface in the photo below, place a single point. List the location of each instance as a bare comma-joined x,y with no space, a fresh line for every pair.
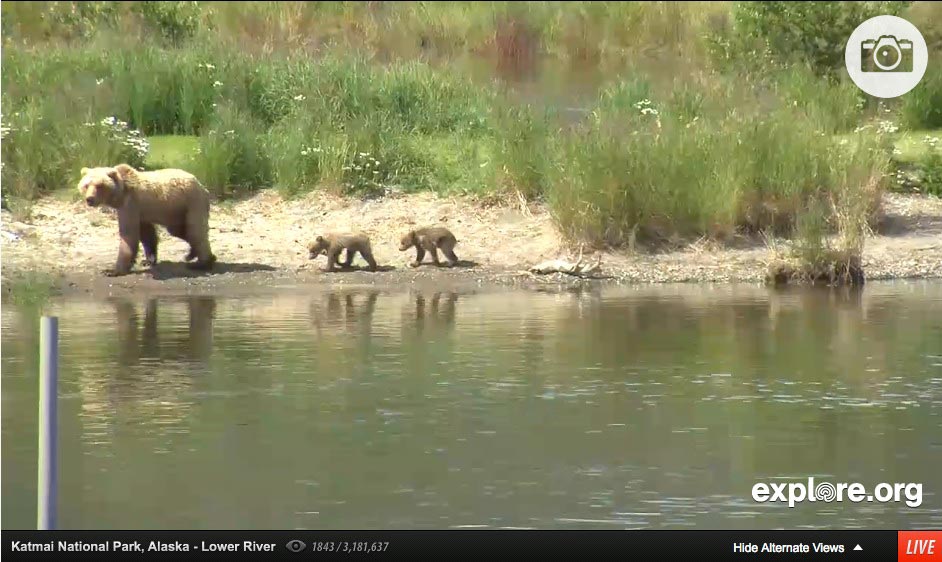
625,408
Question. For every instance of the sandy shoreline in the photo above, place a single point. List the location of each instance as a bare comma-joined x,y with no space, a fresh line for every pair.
260,244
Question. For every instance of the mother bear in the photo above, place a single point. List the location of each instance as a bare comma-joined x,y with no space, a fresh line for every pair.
172,198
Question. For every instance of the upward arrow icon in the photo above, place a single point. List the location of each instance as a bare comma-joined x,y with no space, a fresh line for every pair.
857,547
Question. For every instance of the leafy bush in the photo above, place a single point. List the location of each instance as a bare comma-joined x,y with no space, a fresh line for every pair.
174,21
812,32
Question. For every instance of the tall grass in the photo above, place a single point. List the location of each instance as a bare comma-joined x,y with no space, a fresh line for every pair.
231,156
651,169
922,107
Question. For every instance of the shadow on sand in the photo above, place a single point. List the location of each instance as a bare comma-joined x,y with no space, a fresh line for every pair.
352,268
171,270
444,264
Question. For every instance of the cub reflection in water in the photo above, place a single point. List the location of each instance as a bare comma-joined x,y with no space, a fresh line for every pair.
156,341
436,313
352,311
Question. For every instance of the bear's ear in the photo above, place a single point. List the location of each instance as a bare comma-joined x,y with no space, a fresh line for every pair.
85,172
319,239
124,170
115,175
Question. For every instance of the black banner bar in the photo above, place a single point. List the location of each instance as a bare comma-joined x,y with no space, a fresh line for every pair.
646,544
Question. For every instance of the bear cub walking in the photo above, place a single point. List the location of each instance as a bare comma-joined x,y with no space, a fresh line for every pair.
332,244
430,239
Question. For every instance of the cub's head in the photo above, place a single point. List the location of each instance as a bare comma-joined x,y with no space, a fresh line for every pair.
104,185
407,241
317,247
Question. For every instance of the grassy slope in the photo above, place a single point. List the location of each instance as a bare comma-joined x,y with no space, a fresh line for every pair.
428,129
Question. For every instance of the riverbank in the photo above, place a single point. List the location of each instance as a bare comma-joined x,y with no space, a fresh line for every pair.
260,242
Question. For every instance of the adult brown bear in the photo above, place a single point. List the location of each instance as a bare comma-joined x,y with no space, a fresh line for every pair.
172,198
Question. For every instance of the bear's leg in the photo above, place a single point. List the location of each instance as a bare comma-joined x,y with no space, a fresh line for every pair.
450,254
129,229
179,231
367,254
149,241
419,256
333,255
197,234
349,260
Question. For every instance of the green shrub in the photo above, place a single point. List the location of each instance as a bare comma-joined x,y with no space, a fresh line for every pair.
922,106
37,157
647,172
811,32
931,173
305,156
523,154
173,21
44,151
231,158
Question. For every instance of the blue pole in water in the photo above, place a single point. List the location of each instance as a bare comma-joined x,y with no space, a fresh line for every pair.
48,422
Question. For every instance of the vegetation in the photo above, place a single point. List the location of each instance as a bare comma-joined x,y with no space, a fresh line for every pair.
30,288
699,118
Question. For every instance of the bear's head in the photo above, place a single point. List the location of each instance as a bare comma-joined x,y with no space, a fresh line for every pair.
104,185
317,247
407,241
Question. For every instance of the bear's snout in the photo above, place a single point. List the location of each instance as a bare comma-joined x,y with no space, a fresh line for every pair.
91,201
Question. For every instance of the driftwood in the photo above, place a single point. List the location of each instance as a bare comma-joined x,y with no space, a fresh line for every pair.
578,269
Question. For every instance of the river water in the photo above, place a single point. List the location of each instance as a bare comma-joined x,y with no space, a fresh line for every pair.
620,408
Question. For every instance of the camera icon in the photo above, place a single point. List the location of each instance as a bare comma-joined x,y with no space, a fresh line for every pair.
295,545
886,54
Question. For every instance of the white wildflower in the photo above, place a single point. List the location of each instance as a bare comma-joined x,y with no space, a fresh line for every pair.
887,127
299,97
217,84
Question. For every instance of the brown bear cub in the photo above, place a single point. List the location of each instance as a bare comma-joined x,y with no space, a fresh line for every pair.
332,244
430,239
172,198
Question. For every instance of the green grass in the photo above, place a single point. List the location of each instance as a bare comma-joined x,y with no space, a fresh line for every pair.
29,288
912,145
171,151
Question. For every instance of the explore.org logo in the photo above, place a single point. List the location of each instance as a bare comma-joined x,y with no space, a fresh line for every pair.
796,492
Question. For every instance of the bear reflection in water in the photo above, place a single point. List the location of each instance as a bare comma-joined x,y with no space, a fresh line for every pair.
435,313
348,311
150,340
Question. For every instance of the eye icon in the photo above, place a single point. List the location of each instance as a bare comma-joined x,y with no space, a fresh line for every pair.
295,545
